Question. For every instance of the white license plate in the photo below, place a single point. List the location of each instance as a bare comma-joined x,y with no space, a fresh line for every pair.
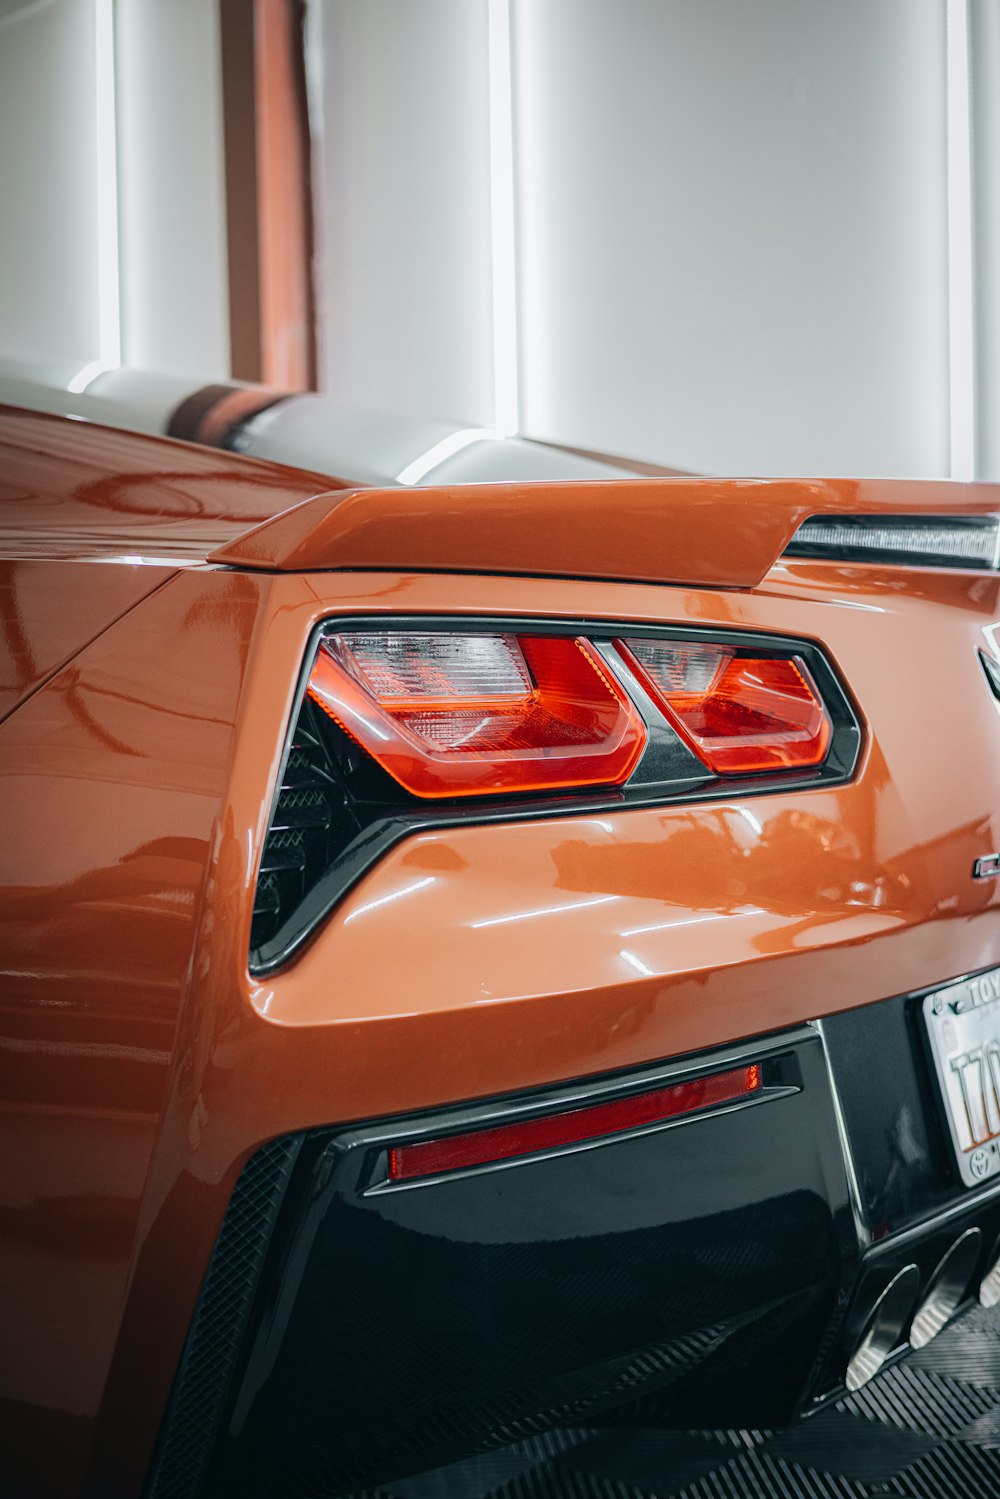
963,1028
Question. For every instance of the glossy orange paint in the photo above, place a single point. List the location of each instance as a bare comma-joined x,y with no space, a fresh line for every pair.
142,1064
36,639
71,488
716,533
112,777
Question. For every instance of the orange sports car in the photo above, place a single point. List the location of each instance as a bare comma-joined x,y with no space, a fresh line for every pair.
472,957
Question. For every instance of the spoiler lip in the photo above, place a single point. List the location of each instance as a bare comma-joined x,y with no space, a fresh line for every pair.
702,532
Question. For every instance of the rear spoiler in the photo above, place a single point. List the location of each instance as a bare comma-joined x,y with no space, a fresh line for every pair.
712,533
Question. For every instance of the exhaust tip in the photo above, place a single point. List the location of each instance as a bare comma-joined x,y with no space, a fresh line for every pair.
947,1288
884,1329
989,1287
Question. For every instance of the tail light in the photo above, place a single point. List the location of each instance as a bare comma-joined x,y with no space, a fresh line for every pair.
403,726
468,715
740,714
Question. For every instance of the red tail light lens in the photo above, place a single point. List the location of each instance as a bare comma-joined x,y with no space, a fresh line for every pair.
429,1157
450,714
738,713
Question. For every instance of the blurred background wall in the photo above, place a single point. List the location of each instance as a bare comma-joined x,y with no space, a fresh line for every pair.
738,236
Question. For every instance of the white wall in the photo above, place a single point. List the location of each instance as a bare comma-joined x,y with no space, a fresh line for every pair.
163,203
731,223
402,193
172,205
48,218
732,220
985,53
731,216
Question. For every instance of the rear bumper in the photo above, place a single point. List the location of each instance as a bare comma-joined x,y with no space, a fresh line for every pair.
722,1265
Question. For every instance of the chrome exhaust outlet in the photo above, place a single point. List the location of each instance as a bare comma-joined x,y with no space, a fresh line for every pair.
947,1288
885,1326
989,1286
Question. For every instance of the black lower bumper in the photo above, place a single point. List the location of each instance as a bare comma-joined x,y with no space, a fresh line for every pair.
720,1263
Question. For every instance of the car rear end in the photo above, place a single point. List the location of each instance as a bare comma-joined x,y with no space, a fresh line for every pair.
585,986
601,1045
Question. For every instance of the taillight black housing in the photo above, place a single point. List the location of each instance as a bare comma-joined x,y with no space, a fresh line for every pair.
406,724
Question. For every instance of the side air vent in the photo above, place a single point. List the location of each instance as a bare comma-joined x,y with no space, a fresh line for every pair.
204,1377
917,540
311,820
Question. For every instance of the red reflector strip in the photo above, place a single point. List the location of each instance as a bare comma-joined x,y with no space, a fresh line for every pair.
429,1157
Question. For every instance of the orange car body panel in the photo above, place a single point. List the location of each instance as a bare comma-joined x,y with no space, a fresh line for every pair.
40,639
142,1064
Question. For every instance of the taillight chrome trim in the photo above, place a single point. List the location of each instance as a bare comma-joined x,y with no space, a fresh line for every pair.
668,772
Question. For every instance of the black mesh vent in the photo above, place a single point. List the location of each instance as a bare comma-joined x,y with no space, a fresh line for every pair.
312,821
219,1323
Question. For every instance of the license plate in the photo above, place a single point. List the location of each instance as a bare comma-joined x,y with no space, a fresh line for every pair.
963,1029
